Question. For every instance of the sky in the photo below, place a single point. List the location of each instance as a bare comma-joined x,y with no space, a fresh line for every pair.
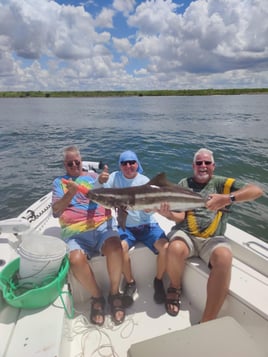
51,45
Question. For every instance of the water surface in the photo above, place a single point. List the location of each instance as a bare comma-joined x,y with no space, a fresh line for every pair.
164,131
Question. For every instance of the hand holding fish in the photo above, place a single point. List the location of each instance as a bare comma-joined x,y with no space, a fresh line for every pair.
171,215
217,202
72,189
71,186
164,210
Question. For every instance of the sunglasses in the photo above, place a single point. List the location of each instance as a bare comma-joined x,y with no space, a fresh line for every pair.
72,163
130,162
199,163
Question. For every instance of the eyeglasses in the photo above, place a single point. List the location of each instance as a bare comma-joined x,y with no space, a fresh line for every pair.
199,163
73,162
130,162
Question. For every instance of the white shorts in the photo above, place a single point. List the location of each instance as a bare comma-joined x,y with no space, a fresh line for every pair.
200,247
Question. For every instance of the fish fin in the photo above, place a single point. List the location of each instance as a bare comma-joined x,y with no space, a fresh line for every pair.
160,180
122,217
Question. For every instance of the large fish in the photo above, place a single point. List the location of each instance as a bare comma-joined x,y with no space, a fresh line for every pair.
147,197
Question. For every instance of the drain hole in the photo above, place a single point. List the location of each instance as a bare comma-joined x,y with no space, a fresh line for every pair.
2,262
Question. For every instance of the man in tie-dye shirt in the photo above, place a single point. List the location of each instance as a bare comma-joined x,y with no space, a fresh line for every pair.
88,229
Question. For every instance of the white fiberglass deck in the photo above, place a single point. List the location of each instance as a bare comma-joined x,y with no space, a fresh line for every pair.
48,332
144,320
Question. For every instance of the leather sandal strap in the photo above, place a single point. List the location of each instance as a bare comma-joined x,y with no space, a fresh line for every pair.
115,307
172,290
98,300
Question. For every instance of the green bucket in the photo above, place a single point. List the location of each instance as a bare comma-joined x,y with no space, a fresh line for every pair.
29,297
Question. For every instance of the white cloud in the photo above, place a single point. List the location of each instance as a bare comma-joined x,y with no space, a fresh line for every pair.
153,17
211,36
121,44
214,43
105,18
125,6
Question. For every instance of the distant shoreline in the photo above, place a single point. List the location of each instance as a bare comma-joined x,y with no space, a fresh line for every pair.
137,93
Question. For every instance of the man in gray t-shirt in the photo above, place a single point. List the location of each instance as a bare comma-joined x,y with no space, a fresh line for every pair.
201,233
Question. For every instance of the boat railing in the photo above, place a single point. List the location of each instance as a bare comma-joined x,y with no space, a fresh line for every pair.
258,248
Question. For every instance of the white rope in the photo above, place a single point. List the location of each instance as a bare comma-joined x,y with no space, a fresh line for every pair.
104,346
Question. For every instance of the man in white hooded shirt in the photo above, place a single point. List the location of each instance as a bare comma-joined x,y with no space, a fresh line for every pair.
141,226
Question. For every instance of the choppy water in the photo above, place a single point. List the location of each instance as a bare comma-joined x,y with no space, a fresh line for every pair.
164,131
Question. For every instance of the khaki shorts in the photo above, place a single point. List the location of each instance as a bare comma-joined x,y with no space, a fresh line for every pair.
200,247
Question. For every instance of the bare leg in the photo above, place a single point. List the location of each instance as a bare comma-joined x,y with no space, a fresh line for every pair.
218,282
83,272
159,289
112,249
177,253
126,263
161,245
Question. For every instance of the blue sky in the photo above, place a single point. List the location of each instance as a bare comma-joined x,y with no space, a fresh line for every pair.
133,45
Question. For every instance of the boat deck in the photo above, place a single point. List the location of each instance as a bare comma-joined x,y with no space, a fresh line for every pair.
144,320
49,332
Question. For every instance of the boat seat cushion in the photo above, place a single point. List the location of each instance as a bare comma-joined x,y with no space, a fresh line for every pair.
222,337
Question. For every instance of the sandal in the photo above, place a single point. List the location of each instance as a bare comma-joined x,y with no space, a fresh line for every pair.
97,310
173,299
116,305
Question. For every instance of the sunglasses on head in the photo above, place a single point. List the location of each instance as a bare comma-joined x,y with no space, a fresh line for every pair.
130,162
73,162
199,163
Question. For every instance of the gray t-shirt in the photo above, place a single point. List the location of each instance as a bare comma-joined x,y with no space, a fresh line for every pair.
203,216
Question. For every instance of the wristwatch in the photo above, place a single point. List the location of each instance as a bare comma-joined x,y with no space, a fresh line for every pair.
232,198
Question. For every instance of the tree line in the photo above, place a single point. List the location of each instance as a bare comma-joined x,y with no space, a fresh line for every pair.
139,93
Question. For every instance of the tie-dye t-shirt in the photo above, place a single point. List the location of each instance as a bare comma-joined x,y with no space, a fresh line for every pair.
82,214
